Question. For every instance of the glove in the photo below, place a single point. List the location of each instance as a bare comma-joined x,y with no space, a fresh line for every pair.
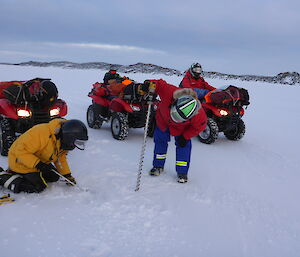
44,167
150,97
142,89
182,141
147,87
147,90
71,178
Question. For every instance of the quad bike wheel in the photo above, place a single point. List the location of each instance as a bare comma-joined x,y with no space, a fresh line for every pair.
7,136
237,133
93,120
119,126
211,132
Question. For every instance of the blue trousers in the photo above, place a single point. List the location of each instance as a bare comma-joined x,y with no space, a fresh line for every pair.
183,154
201,92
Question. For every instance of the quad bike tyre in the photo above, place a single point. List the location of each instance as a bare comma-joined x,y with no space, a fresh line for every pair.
237,133
7,136
211,132
93,119
119,126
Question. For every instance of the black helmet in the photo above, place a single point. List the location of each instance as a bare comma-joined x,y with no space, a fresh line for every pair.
196,70
111,74
73,134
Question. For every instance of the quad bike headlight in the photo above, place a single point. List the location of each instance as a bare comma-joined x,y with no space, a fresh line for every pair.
223,112
23,113
54,111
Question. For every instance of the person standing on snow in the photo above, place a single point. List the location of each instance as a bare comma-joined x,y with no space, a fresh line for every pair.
31,156
194,80
179,114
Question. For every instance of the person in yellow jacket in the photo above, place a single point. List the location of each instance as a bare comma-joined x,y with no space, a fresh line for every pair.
31,156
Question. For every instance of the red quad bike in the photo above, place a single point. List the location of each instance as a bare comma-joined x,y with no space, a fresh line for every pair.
19,110
224,109
125,112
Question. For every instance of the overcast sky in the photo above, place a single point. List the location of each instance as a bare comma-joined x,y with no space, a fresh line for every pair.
241,37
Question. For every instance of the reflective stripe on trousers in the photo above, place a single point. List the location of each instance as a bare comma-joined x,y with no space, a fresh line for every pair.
183,154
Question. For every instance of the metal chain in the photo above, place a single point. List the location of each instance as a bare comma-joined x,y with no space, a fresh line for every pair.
138,182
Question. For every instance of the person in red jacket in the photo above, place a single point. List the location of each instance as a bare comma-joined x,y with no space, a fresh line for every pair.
194,80
179,114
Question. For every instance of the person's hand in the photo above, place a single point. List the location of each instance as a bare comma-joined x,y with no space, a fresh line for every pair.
150,86
44,167
150,97
71,178
182,141
147,87
142,89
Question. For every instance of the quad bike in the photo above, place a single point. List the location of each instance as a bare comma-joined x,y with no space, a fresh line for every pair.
224,110
124,112
17,117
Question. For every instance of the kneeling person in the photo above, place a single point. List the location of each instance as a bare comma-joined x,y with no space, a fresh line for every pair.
31,156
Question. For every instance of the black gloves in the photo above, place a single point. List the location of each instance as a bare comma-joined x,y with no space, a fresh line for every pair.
147,89
181,141
71,178
48,168
144,87
150,97
43,167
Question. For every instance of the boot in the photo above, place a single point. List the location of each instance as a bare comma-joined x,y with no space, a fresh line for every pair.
10,181
155,171
182,178
4,176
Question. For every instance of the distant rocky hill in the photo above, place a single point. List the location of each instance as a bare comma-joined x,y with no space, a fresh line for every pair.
289,78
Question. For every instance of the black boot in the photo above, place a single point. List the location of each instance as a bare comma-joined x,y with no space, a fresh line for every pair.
182,178
155,171
10,181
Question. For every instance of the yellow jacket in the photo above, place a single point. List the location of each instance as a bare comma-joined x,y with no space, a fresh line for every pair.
38,144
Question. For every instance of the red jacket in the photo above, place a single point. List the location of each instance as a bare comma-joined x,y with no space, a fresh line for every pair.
189,81
189,128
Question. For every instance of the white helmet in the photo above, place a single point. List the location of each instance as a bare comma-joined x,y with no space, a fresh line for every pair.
184,108
196,70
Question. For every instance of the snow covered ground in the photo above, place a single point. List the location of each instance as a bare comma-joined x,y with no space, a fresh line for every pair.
241,198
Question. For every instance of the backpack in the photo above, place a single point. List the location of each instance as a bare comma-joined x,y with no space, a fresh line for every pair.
16,93
6,84
230,95
244,96
41,91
